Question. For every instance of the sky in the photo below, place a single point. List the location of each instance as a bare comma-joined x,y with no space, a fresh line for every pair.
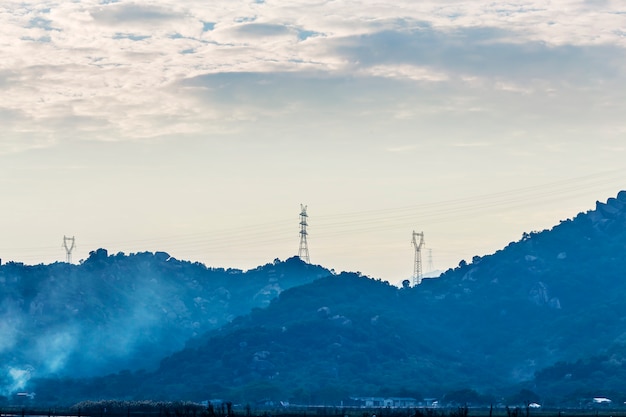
198,128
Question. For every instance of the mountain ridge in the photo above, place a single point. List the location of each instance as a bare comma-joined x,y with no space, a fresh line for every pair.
496,322
515,319
116,312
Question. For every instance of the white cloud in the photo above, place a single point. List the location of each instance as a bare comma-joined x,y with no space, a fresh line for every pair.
470,144
404,71
114,70
404,148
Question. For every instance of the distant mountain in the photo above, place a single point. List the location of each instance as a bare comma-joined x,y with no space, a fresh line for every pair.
543,318
116,312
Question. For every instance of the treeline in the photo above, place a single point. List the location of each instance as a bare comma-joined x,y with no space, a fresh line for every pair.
113,408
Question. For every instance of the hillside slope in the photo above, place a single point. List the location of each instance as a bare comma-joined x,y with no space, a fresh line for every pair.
116,312
545,301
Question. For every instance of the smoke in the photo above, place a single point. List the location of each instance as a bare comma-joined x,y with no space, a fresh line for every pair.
111,313
47,354
15,380
86,327
10,322
92,320
125,342
54,348
12,378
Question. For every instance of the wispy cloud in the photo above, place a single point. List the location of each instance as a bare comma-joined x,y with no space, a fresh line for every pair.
405,148
470,144
614,148
403,71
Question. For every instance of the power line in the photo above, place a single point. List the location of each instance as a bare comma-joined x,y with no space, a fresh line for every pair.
367,221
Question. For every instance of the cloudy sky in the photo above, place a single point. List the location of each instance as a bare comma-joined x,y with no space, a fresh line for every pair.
198,128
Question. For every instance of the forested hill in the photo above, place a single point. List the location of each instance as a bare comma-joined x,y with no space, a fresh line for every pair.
116,312
544,310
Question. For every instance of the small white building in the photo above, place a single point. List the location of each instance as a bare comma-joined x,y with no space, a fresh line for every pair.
602,400
387,402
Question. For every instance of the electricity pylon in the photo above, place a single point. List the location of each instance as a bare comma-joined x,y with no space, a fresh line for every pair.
303,252
68,249
417,266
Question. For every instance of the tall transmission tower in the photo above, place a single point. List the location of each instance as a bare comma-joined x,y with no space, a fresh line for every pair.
303,252
69,249
417,265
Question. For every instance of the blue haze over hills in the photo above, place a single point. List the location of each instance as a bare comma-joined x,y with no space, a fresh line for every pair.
122,312
544,315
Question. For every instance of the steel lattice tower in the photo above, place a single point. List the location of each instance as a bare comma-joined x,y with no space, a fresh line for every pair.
417,266
303,252
68,249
